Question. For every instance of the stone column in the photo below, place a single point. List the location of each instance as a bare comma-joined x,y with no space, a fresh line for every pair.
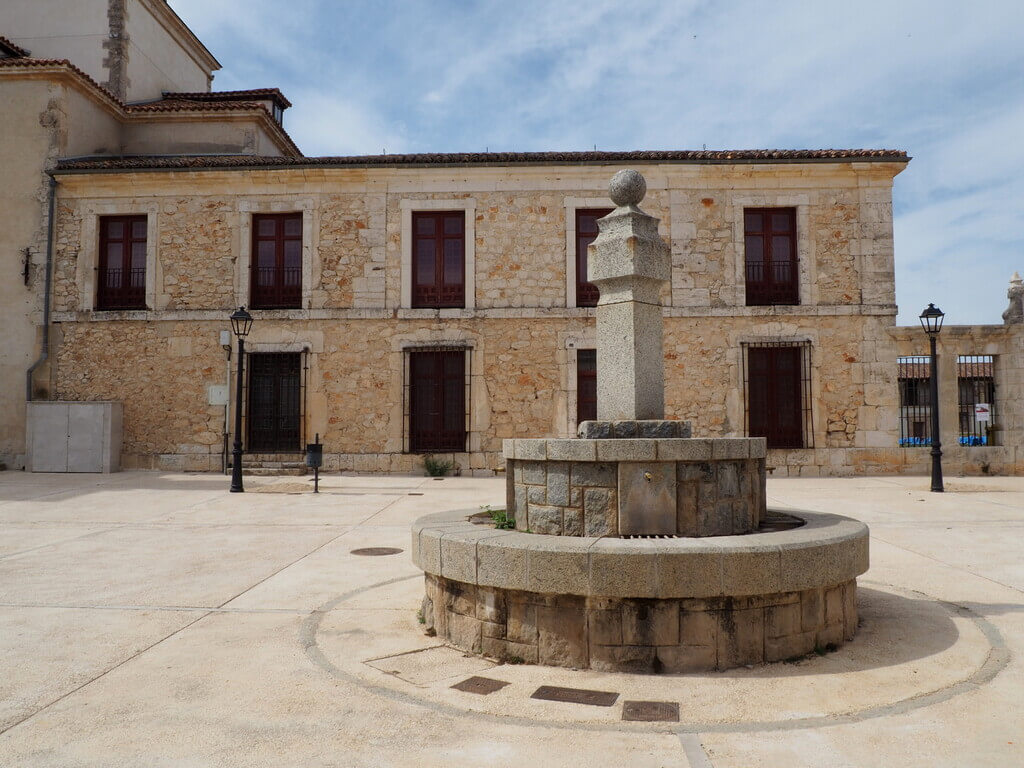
629,262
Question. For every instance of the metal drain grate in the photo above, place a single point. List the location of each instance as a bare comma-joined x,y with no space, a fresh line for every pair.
481,685
651,711
654,536
575,696
375,551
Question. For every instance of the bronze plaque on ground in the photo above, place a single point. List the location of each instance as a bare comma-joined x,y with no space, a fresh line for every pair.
651,711
481,685
575,695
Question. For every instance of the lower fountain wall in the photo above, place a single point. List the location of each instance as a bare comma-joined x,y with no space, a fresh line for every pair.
639,635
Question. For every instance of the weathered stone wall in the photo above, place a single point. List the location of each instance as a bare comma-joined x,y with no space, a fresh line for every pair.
639,635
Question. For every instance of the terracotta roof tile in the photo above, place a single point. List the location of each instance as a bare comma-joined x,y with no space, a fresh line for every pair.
708,157
6,46
255,93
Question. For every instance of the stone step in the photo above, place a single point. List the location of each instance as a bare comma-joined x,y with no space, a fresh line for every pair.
269,472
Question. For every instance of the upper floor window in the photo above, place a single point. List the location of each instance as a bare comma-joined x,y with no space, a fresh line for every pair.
438,259
276,261
586,232
769,240
121,283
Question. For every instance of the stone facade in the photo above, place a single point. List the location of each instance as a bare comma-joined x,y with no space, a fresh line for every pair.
640,635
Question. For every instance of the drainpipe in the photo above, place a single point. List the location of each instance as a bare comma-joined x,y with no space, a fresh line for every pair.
45,351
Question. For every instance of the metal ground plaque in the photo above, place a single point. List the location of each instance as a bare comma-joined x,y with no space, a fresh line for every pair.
575,695
481,685
651,711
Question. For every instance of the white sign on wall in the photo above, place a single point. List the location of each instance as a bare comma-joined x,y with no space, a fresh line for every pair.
982,411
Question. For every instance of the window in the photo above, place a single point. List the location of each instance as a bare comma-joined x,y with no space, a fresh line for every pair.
437,398
274,404
438,259
769,241
778,393
276,261
976,386
586,385
915,400
586,232
121,282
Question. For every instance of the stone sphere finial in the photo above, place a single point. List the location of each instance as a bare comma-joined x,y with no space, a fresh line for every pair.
627,187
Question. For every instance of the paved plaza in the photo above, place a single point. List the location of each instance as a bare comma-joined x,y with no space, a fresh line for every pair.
152,619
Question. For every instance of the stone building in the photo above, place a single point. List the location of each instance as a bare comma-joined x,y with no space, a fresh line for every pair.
411,304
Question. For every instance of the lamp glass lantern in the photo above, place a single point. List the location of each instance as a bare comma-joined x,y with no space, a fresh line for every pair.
241,322
931,320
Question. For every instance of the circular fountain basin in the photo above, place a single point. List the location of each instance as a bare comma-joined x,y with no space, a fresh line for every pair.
670,604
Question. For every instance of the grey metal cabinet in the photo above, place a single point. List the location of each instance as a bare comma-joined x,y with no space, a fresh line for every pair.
66,436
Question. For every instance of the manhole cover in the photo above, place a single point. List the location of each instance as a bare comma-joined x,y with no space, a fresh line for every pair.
651,711
481,685
375,551
575,695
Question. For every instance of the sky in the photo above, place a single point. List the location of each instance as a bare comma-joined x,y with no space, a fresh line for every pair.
942,80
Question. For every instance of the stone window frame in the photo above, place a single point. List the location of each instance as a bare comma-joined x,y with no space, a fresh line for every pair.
88,264
573,343
478,408
805,253
311,270
407,206
573,204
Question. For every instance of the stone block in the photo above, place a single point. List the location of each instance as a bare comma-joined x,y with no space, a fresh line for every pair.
728,480
600,512
576,497
650,623
490,606
508,449
647,498
562,636
572,450
850,610
627,450
812,610
686,509
830,634
510,488
464,632
834,605
781,621
595,430
789,646
499,564
720,519
544,519
698,628
684,450
623,568
740,637
605,627
536,494
758,447
623,658
531,450
558,483
695,574
730,448
522,622
492,630
459,598
521,501
744,516
679,659
535,472
594,474
430,550
754,570
625,429
572,522
521,652
658,428
494,647
558,570
458,558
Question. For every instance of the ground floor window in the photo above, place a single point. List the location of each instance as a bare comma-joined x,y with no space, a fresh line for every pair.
437,399
914,380
274,402
586,385
976,386
777,386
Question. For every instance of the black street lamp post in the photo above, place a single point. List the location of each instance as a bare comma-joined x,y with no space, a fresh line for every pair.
931,321
241,322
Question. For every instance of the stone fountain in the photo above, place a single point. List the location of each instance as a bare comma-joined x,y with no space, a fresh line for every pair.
637,547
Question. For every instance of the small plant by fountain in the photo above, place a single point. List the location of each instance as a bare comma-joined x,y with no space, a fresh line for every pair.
637,547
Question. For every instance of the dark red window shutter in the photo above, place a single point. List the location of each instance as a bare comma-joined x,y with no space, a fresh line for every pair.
121,274
586,232
769,244
439,259
437,400
586,385
774,396
276,263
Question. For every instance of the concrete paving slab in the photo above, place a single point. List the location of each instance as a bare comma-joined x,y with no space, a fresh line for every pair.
277,676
